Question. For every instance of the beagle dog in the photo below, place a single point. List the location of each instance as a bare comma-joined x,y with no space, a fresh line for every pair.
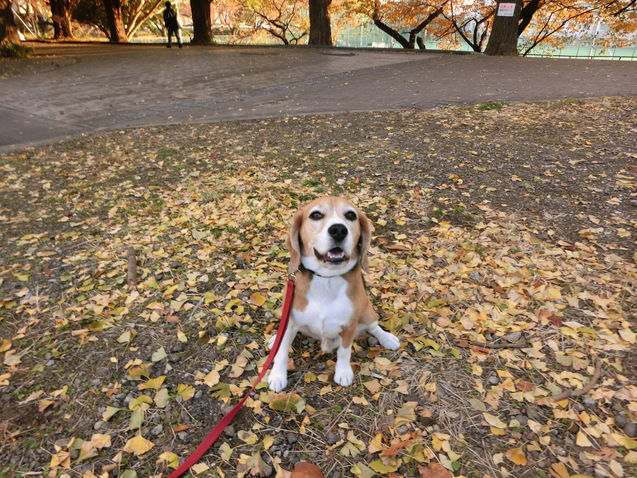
328,243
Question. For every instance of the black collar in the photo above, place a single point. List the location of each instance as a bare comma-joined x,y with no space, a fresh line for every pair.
302,268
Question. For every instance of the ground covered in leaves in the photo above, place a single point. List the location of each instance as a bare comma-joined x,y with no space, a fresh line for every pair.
503,257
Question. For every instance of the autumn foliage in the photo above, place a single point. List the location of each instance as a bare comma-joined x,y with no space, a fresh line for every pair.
550,23
445,24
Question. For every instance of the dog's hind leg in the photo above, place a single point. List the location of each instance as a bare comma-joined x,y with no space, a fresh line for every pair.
386,339
369,323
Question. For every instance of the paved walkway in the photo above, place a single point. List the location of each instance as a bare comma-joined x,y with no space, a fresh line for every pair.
95,87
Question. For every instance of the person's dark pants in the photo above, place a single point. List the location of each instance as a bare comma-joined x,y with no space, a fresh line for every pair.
177,33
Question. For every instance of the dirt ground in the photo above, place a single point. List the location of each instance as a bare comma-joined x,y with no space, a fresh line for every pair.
503,257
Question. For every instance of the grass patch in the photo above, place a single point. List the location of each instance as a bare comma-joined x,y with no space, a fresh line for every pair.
15,50
492,105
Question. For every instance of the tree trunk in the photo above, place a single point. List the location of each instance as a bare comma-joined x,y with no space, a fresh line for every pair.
201,22
138,16
394,34
8,28
526,14
503,40
115,21
320,26
61,14
413,39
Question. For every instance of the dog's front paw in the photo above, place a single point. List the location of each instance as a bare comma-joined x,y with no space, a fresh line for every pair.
344,375
389,341
277,382
271,341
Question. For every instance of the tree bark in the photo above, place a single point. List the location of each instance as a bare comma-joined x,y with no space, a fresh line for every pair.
115,21
201,21
526,14
414,39
8,28
394,34
320,25
503,40
61,14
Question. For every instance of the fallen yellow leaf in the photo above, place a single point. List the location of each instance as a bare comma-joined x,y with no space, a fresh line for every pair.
582,439
5,345
517,456
257,299
494,421
138,445
171,459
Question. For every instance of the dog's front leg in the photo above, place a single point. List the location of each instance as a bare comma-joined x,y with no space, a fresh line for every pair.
343,374
278,378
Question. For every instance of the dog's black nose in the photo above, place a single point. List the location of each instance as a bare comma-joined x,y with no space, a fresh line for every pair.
337,231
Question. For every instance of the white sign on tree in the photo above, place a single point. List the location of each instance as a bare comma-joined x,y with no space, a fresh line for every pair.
506,9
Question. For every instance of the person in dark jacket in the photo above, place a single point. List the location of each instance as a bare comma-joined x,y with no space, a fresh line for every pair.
172,25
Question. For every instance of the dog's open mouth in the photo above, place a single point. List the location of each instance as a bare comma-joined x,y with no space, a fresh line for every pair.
333,256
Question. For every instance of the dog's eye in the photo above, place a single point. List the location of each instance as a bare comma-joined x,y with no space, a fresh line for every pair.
316,215
350,215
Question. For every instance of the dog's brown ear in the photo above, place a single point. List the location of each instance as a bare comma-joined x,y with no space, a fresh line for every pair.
294,242
365,240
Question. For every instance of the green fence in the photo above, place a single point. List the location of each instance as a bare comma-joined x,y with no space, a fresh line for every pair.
368,36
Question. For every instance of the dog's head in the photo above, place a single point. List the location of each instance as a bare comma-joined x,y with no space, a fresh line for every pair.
329,236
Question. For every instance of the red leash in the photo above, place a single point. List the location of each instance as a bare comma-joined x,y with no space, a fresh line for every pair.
225,421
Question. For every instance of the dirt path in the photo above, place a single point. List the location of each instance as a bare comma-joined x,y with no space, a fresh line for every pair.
79,88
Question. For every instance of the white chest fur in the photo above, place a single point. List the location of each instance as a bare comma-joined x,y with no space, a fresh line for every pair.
328,309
